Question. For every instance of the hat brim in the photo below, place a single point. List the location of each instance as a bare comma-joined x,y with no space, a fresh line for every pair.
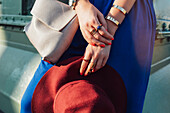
66,71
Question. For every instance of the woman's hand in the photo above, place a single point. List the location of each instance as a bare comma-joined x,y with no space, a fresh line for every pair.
90,18
95,57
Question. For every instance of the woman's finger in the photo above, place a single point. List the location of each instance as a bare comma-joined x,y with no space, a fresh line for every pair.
97,36
92,40
98,64
102,39
87,36
104,61
102,20
103,32
83,67
90,67
85,62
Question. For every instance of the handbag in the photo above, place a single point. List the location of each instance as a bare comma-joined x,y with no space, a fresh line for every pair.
52,28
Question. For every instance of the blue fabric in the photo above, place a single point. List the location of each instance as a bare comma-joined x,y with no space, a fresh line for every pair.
131,53
26,99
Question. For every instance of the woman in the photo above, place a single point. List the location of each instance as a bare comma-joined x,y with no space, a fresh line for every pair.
130,53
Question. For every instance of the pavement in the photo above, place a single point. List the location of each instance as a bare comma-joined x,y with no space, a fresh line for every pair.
158,94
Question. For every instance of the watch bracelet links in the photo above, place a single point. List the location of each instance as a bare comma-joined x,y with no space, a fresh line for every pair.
113,20
73,3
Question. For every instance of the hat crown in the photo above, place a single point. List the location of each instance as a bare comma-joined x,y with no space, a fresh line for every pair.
83,97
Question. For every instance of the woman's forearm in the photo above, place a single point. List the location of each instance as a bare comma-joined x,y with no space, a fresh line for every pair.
114,12
80,1
126,4
117,14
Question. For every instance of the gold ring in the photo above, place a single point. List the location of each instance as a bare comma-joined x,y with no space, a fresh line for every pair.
86,60
93,32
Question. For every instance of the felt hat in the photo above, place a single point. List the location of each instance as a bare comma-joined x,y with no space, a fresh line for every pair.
63,90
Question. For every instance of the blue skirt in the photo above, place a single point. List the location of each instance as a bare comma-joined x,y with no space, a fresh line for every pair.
131,53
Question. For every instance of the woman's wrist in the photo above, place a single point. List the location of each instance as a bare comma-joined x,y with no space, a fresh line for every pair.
111,27
80,2
126,4
116,14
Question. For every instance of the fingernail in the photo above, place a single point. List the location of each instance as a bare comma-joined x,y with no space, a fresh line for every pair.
110,44
93,44
106,30
81,73
112,38
93,70
102,45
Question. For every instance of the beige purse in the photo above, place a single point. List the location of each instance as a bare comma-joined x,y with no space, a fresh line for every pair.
52,28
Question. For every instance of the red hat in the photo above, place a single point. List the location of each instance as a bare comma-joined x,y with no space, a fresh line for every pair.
63,90
80,96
